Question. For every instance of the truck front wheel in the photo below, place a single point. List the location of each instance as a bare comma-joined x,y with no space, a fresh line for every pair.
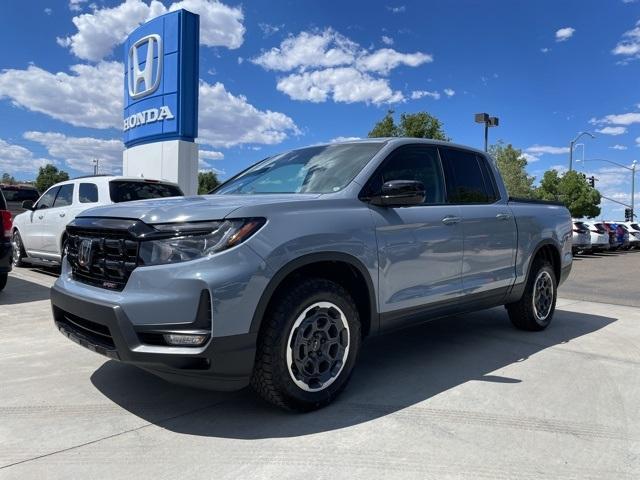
308,346
534,311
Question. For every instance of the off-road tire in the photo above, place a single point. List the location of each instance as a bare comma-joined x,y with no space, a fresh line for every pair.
271,377
522,313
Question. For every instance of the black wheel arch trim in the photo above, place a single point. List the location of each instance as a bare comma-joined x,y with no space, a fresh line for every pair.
309,259
518,289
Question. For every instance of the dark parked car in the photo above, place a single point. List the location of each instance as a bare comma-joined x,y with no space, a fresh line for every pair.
615,242
16,194
5,241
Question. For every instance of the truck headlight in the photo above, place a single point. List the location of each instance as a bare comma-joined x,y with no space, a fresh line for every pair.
181,242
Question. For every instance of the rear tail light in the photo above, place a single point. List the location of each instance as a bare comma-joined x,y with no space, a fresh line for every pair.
7,223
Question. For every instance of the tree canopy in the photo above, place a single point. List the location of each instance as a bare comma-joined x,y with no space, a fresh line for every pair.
573,190
8,179
49,175
207,181
512,166
417,125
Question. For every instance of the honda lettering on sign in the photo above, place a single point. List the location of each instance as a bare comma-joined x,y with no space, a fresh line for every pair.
161,80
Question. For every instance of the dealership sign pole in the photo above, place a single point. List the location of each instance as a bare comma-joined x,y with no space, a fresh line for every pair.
161,100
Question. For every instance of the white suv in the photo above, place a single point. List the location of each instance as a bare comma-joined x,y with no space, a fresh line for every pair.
39,233
634,233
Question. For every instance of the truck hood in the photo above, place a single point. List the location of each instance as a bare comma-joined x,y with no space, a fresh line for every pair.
189,209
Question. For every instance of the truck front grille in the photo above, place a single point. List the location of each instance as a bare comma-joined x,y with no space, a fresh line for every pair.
102,257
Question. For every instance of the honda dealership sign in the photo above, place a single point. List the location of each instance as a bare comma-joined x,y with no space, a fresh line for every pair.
160,121
161,79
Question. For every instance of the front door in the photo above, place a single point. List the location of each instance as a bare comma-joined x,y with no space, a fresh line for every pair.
56,219
419,247
31,231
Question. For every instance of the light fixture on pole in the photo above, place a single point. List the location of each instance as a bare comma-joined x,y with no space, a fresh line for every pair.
632,169
571,145
488,122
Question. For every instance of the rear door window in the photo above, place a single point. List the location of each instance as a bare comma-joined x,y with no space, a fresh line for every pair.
128,191
464,178
64,197
88,193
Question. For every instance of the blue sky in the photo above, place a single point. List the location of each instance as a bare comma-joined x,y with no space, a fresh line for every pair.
277,75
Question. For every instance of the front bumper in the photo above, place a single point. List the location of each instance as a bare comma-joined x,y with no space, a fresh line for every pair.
5,256
224,363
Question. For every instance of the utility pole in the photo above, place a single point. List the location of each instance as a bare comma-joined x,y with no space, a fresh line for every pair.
96,166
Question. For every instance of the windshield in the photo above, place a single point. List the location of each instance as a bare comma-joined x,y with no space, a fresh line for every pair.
321,169
127,191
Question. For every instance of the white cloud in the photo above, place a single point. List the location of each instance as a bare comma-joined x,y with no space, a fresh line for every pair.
226,120
90,96
387,40
344,84
210,155
629,45
76,5
530,158
449,92
268,29
16,158
103,29
612,130
79,152
545,50
638,141
398,9
417,94
564,34
325,64
618,147
546,149
619,119
48,11
343,139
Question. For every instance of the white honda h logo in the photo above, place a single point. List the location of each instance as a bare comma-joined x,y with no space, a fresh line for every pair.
143,82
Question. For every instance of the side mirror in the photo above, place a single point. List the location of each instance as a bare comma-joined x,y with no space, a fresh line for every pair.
27,204
400,193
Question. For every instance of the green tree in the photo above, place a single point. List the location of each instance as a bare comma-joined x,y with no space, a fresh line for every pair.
417,125
573,190
207,181
512,166
49,175
8,179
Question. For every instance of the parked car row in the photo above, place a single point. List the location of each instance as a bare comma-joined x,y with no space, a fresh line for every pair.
593,237
37,231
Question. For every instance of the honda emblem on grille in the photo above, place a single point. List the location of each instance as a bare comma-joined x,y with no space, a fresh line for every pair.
84,252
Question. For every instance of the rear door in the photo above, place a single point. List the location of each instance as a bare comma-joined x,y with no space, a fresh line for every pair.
419,246
488,225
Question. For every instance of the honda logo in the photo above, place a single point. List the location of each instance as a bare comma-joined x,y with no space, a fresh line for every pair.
85,252
144,81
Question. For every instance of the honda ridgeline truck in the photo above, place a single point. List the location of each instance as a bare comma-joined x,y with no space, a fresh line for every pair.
277,276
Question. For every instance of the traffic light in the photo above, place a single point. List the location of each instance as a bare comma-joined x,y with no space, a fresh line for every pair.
628,215
592,181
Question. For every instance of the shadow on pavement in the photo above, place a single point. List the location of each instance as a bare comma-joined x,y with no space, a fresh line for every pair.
393,372
19,290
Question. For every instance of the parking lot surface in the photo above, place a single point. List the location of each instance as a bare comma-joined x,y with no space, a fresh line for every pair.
467,396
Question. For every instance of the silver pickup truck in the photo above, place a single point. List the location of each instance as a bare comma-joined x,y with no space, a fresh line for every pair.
277,277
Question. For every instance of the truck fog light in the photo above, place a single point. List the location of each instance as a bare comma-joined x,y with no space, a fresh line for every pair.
185,340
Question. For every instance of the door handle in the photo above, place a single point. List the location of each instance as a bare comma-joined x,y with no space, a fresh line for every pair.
503,216
40,217
62,214
449,220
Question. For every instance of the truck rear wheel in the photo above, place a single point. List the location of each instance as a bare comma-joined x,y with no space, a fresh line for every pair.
534,311
308,346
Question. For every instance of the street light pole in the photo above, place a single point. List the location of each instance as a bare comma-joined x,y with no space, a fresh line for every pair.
488,122
632,168
572,143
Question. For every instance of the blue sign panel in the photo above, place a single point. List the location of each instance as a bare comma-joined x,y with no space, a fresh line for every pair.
161,80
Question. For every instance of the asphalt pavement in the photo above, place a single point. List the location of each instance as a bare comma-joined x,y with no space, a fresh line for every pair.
463,397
